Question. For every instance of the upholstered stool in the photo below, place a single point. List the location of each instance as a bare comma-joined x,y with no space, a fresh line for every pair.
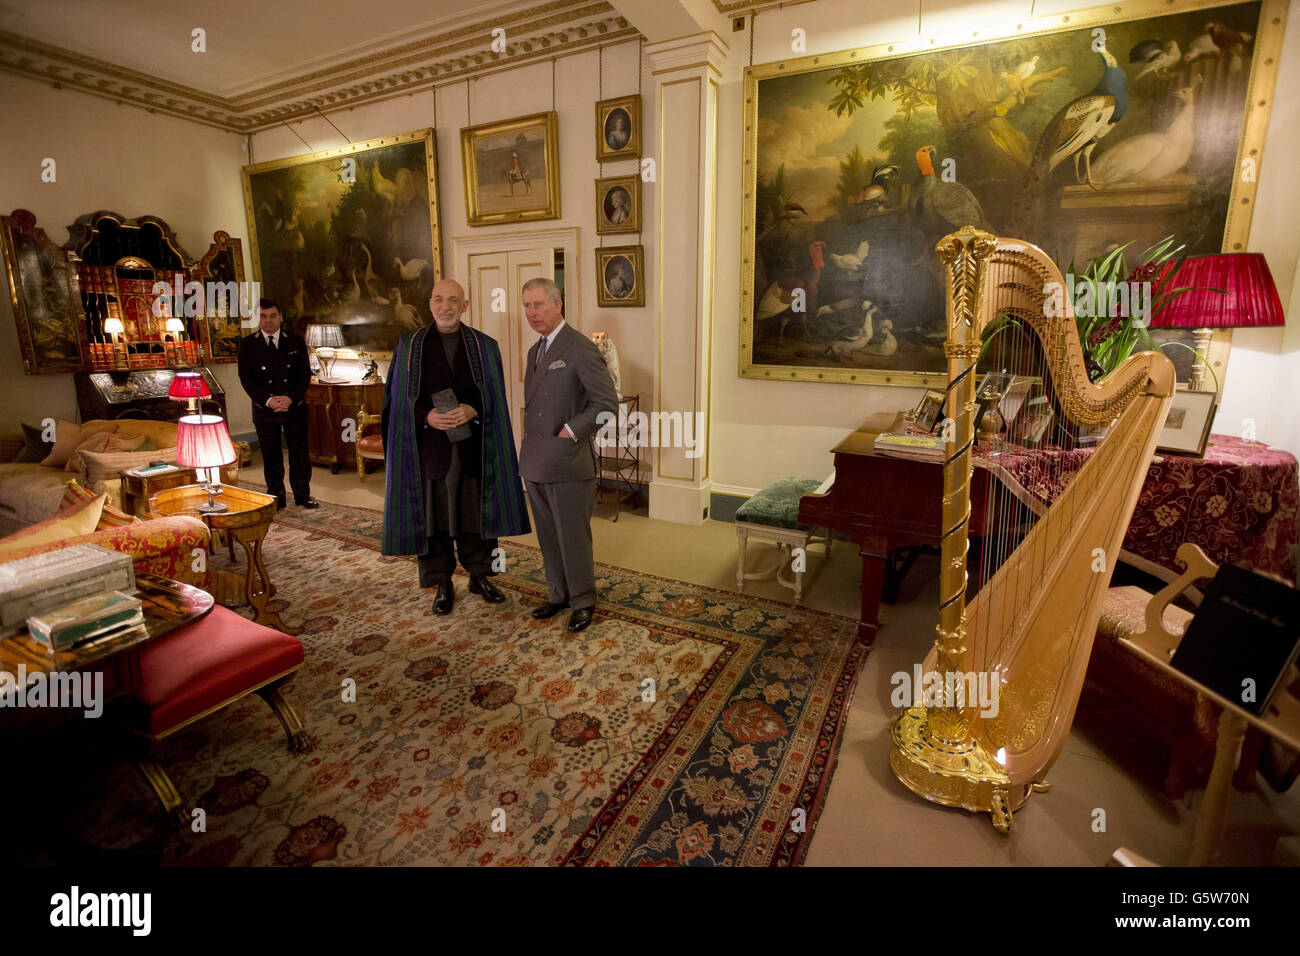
772,515
369,447
200,669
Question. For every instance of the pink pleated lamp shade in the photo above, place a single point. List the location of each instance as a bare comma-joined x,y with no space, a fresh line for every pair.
202,441
188,385
1248,298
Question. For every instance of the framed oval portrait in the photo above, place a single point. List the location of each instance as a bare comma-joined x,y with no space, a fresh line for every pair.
618,204
618,128
620,271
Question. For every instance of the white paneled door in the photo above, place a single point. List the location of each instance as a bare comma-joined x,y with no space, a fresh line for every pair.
496,307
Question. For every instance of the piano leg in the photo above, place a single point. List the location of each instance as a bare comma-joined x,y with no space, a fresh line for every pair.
875,556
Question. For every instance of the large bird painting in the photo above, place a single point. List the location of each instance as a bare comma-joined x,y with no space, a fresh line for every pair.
349,236
1079,140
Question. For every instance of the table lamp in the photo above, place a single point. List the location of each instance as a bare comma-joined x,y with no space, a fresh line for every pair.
323,340
114,327
203,443
189,387
177,329
1229,291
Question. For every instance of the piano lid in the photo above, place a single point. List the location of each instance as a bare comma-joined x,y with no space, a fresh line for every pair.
862,440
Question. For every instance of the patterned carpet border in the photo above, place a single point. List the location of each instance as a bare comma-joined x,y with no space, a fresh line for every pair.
639,819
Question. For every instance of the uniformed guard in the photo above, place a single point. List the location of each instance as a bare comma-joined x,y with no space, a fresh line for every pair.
274,371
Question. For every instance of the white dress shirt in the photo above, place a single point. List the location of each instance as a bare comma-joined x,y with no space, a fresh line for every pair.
275,344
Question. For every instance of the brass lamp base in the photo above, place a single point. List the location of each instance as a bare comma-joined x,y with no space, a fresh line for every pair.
962,775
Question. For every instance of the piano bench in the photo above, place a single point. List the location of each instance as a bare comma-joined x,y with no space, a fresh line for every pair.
772,515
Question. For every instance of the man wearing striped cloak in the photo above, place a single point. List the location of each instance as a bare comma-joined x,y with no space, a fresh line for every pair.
439,491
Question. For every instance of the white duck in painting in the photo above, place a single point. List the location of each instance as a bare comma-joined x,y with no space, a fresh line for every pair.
851,341
885,343
1151,156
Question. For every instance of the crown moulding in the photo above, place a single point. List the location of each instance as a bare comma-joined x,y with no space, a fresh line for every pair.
407,68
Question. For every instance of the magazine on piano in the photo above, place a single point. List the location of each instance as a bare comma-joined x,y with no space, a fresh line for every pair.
902,445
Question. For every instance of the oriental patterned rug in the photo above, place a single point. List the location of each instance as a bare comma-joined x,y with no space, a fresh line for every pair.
686,726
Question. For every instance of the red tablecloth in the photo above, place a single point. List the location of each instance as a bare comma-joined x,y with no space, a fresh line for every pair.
1239,502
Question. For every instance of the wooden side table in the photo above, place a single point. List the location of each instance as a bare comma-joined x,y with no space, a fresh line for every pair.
247,518
138,489
328,406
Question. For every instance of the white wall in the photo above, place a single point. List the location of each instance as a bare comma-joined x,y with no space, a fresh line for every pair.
502,96
108,157
761,431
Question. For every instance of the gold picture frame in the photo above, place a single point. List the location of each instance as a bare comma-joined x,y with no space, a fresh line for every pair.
620,277
618,204
618,128
326,227
867,71
502,157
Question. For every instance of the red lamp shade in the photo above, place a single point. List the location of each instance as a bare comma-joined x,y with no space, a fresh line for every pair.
1248,298
187,385
202,441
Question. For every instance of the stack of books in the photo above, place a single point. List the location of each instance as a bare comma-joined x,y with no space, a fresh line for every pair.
91,618
43,582
899,445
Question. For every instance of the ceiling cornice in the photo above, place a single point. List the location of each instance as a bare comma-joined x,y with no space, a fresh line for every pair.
535,33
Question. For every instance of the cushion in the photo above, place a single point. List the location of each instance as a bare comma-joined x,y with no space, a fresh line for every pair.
68,435
778,503
102,466
78,519
101,442
374,444
37,448
96,442
30,492
111,517
1124,614
206,664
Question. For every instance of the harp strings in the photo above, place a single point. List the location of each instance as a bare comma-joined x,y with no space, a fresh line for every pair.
1036,444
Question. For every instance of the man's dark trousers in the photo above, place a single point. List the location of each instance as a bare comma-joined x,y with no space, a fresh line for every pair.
437,566
268,437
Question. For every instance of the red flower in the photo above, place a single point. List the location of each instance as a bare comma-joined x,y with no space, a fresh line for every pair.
751,721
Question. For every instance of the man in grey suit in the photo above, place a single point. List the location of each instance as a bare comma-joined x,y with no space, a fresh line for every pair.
566,387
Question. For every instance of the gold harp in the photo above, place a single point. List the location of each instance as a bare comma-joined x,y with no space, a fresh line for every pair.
1030,627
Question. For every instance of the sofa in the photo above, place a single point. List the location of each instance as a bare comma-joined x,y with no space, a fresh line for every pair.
163,546
31,491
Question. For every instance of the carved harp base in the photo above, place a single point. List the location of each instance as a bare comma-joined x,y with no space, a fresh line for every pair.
956,776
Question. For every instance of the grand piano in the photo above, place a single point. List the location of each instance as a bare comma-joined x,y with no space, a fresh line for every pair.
890,507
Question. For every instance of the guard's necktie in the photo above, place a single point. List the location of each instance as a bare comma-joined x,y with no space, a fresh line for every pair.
270,341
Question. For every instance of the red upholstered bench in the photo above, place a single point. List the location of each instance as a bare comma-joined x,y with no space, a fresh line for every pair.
201,668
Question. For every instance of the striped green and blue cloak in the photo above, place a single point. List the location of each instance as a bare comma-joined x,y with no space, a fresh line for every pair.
503,510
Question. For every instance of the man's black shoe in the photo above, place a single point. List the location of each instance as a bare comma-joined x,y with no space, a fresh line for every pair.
579,619
309,503
442,604
547,610
479,584
280,503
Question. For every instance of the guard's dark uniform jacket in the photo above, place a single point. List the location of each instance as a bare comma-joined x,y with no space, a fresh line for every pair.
265,371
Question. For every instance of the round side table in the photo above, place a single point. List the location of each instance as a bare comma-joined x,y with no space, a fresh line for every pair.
247,518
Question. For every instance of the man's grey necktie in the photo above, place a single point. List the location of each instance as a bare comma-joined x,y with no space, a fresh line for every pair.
541,352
